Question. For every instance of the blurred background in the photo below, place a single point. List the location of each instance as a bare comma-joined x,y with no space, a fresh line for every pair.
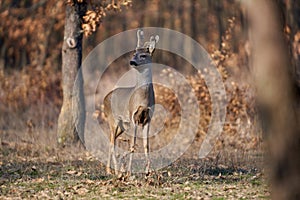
31,37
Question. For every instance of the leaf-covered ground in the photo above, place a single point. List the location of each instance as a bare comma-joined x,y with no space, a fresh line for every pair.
28,172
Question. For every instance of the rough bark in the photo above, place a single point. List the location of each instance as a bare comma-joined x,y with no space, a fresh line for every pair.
276,96
72,116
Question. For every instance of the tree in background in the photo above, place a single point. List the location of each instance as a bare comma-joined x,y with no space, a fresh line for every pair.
82,17
70,114
277,97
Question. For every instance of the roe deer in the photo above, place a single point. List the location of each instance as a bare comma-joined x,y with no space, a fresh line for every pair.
133,106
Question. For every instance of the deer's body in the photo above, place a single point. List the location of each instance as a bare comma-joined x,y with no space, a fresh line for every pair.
132,106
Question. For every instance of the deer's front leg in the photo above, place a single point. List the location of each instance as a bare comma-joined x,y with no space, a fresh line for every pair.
132,149
146,129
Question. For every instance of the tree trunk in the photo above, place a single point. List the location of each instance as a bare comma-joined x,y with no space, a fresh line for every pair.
277,97
72,116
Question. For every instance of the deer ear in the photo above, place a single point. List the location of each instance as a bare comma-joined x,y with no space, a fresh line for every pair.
156,38
152,43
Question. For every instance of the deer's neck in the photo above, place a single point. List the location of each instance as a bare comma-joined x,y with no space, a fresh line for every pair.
144,77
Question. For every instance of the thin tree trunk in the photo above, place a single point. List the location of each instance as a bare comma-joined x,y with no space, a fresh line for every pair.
277,97
72,116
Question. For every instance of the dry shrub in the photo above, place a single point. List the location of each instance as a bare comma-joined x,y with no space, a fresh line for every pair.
30,39
30,97
239,124
240,131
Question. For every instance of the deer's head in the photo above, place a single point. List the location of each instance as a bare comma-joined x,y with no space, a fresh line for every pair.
143,52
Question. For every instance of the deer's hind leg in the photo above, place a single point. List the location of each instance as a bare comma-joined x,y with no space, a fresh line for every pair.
115,132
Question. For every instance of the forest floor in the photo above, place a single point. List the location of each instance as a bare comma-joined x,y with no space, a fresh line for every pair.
29,171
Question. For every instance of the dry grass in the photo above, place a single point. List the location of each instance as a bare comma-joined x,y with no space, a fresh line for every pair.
31,171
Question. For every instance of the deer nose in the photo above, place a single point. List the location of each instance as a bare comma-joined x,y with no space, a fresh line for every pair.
132,62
